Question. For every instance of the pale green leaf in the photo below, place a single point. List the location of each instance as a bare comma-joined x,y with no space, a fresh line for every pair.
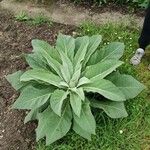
101,69
112,51
46,52
67,67
81,131
14,80
41,75
94,58
112,109
36,61
94,42
129,86
76,103
75,78
86,120
57,99
63,84
66,44
33,114
81,48
47,47
79,92
52,126
106,89
83,81
31,97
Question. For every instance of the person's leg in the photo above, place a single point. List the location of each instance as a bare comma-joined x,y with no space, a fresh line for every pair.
144,40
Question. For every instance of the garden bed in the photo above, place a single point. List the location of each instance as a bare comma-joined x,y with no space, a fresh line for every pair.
15,39
128,134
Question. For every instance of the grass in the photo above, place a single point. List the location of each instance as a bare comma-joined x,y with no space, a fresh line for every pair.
131,133
38,20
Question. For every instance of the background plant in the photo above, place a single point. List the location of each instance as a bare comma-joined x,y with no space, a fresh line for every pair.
68,79
135,3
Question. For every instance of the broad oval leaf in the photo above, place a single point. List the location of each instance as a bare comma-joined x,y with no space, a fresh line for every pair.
36,61
46,52
76,103
14,80
81,131
52,126
101,69
41,75
83,81
112,109
67,67
37,44
81,49
31,97
94,42
112,51
75,77
33,114
57,99
86,120
106,89
66,44
129,86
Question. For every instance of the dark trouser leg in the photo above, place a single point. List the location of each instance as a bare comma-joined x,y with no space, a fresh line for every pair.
144,39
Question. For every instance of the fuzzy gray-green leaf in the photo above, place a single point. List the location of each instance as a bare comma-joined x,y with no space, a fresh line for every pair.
112,109
113,50
94,42
57,99
106,89
66,44
14,80
46,52
101,69
86,120
129,86
52,126
31,97
81,131
76,103
41,75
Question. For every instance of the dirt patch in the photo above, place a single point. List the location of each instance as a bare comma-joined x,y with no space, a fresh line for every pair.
68,13
15,39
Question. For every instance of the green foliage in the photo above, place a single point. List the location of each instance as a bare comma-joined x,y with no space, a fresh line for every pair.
67,81
40,19
37,20
135,3
22,16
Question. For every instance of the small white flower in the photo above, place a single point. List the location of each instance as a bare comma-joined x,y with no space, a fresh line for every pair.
130,38
120,131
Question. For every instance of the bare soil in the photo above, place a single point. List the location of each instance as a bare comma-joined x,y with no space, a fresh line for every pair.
15,39
70,14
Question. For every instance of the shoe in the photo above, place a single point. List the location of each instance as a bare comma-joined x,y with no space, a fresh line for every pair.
149,67
136,59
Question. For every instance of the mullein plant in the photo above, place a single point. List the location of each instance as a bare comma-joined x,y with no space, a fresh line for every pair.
60,85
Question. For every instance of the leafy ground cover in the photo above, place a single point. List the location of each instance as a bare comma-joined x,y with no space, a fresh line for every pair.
129,133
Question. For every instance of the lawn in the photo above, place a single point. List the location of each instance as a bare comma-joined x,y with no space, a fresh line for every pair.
131,133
